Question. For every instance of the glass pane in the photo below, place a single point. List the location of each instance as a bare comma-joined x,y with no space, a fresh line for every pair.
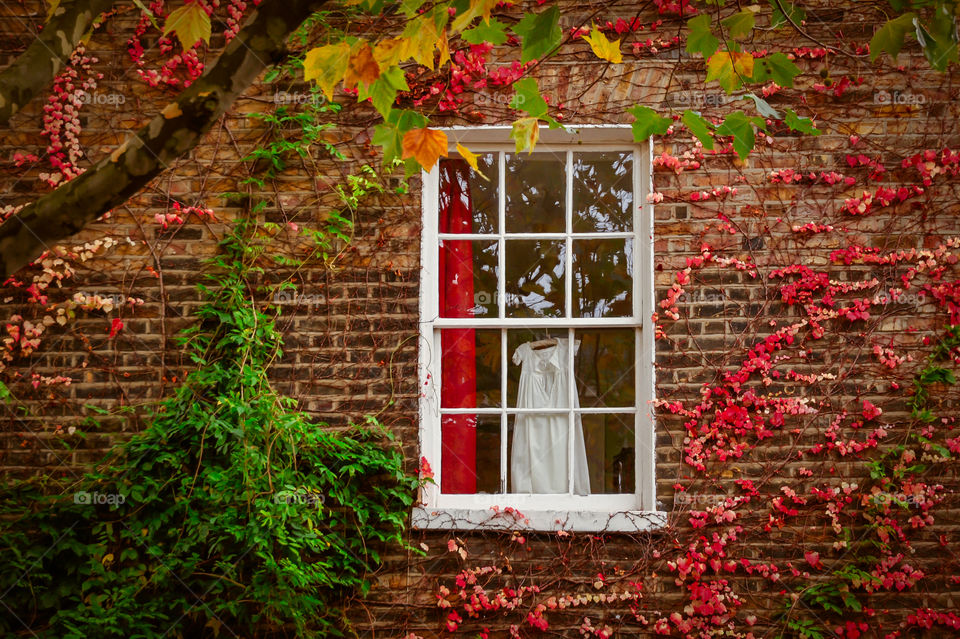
538,453
602,282
534,279
462,190
471,454
602,191
470,369
516,337
604,367
611,456
468,278
535,186
488,454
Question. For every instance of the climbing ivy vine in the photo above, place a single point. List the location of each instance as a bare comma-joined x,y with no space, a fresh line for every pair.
232,508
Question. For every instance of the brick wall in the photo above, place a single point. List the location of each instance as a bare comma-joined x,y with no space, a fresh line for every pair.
351,340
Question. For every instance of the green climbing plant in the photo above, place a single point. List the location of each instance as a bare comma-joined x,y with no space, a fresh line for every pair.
231,508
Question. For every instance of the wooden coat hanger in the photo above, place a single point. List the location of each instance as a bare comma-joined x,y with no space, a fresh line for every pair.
543,343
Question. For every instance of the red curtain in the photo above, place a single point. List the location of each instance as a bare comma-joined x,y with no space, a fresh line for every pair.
459,384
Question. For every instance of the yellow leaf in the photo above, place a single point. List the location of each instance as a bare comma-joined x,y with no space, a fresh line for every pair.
327,65
191,24
107,559
361,67
603,48
444,48
526,132
728,67
423,39
425,145
471,159
476,8
52,8
391,52
743,63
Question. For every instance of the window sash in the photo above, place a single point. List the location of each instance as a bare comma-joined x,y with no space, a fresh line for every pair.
642,298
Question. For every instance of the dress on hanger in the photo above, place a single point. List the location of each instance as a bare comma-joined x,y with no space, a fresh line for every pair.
538,459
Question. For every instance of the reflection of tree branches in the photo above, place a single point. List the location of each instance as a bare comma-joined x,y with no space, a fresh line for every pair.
535,268
600,203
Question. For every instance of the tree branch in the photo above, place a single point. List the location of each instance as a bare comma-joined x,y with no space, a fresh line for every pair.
41,62
173,133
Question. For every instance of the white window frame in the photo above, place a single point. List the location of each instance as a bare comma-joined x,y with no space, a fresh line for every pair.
627,512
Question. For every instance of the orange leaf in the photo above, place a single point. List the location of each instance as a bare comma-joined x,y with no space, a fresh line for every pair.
361,67
425,145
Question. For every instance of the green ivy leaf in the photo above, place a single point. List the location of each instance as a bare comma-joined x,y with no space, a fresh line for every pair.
739,25
776,67
803,125
383,91
526,132
779,18
763,107
410,7
741,128
527,98
699,127
647,122
700,39
889,38
939,42
389,134
540,33
494,32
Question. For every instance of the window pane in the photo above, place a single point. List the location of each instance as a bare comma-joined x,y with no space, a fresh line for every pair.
468,278
471,368
602,191
611,455
602,282
468,203
538,454
471,454
535,187
534,284
516,337
488,454
605,366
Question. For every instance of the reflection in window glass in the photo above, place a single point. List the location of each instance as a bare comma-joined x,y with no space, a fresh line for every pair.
471,464
461,183
604,366
534,284
470,369
488,454
523,444
602,192
535,185
602,284
611,454
468,278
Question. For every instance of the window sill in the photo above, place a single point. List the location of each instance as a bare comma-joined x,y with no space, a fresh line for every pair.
539,520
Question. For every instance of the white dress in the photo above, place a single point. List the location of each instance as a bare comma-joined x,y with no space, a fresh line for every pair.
538,460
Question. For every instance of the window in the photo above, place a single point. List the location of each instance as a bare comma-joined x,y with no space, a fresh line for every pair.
537,347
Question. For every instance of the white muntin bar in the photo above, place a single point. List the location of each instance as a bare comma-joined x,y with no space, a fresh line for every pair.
593,410
538,236
504,431
534,322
